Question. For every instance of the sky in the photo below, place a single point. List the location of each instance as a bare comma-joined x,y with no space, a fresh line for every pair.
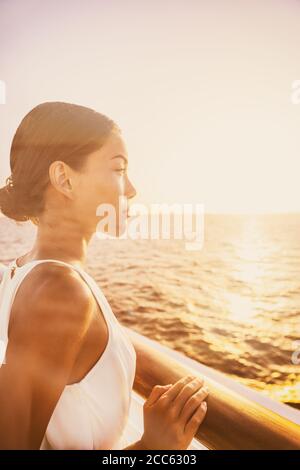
201,89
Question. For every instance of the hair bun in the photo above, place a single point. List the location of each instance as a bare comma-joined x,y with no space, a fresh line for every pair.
9,202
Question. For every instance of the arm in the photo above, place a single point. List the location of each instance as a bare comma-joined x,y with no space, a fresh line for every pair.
49,319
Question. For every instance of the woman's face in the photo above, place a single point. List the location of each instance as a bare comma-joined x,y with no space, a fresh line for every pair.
104,180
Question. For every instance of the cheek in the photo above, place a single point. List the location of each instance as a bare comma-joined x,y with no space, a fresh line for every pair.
88,192
97,188
106,189
112,187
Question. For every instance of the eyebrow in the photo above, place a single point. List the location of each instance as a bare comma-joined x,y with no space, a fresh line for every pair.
121,156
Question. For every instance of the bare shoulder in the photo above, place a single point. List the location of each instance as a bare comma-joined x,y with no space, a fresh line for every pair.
52,301
49,318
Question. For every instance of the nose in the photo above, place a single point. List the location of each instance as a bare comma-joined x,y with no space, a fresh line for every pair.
131,192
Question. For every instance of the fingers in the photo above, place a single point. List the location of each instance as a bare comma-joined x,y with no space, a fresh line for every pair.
172,391
186,392
192,404
178,386
156,393
196,419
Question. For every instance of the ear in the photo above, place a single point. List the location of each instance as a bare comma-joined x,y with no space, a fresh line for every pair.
59,175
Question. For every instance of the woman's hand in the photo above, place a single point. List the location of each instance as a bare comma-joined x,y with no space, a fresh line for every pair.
173,413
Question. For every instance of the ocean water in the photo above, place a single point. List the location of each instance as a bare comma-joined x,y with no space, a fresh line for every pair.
233,306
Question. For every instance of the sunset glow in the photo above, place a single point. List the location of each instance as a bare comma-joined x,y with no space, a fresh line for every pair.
202,91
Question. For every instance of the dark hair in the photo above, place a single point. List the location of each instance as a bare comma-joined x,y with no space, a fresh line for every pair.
51,131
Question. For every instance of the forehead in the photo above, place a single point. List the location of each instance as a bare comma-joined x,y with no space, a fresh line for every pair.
113,147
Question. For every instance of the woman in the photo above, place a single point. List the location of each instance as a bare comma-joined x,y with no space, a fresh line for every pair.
69,365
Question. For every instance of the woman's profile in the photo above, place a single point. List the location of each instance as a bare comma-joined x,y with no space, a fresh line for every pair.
69,367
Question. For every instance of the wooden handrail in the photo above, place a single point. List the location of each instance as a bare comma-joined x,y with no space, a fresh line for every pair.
232,421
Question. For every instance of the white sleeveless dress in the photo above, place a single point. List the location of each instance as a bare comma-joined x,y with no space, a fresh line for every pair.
93,413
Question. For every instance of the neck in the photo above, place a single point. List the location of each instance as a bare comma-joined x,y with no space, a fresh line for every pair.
65,240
